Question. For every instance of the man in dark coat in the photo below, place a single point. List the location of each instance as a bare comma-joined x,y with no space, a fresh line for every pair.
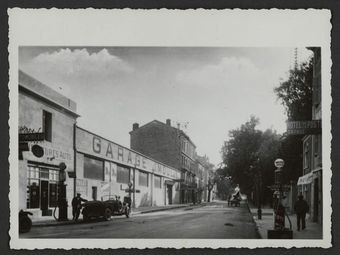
76,206
301,208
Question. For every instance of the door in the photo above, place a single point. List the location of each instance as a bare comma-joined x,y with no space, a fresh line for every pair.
169,190
94,193
44,195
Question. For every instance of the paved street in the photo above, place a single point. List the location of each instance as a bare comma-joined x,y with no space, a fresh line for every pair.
215,220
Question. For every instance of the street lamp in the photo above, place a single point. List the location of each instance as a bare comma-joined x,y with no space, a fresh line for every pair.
258,187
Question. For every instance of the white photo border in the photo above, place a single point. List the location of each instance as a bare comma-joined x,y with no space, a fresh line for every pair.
173,28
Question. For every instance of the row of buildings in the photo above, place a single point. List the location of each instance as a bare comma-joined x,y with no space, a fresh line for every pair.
160,168
310,183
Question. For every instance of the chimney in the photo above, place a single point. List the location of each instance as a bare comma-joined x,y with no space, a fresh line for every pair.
135,126
168,122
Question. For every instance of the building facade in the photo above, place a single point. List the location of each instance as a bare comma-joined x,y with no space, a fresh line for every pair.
310,184
45,111
104,169
96,168
172,146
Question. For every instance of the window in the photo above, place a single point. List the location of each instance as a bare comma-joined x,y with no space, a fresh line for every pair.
36,174
33,189
93,168
47,125
123,174
143,179
157,182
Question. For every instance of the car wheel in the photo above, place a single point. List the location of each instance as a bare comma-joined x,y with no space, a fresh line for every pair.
86,218
107,214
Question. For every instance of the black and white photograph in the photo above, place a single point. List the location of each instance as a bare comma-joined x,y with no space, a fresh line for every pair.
169,143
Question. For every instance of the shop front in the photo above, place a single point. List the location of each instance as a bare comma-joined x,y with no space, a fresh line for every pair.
46,126
105,169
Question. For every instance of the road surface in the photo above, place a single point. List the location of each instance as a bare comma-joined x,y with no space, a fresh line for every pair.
214,220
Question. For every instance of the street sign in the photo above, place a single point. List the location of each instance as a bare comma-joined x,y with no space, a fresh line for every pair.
279,163
31,137
304,127
37,151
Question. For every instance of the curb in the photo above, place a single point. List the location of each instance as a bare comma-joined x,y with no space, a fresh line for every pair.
256,224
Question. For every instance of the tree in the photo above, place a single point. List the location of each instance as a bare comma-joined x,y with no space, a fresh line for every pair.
238,153
248,153
296,92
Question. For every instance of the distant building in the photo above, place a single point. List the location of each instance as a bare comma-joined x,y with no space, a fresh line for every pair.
173,147
310,184
43,110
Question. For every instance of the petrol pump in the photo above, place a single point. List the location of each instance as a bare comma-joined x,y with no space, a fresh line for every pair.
62,202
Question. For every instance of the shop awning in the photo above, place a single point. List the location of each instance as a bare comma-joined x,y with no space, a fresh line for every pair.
305,179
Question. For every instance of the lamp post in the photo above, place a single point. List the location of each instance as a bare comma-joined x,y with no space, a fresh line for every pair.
258,187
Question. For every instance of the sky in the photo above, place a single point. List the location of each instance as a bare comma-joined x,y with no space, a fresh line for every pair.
207,90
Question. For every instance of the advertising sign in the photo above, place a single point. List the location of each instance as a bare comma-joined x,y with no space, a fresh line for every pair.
304,127
91,144
31,137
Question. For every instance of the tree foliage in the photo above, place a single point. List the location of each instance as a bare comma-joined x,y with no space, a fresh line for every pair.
249,151
296,92
296,95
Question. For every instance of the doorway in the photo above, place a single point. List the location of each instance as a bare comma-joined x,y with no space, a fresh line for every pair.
44,199
169,191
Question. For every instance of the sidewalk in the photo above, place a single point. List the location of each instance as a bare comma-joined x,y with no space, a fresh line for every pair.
50,221
313,230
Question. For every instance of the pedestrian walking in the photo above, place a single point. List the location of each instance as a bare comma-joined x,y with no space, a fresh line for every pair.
76,206
301,208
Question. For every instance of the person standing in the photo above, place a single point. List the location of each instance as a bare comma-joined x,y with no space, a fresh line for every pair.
76,206
301,208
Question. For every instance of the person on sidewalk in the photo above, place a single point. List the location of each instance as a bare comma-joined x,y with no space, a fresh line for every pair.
301,208
76,206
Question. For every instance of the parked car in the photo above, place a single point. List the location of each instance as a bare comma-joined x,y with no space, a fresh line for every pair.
106,209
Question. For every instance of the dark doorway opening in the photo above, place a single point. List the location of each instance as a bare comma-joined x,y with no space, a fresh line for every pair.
169,191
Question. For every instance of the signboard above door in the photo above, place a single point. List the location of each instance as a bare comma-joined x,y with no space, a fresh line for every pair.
304,127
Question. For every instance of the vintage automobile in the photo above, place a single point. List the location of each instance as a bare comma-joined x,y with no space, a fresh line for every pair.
235,199
106,209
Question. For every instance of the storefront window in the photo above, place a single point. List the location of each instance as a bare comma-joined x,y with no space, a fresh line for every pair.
36,175
157,182
93,168
123,174
33,189
143,179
